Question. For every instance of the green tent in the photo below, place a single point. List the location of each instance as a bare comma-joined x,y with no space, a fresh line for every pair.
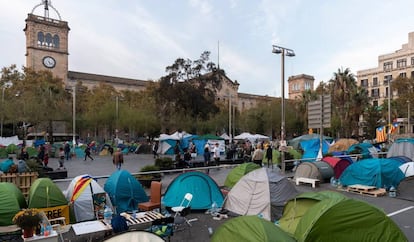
325,215
11,201
44,194
238,172
250,228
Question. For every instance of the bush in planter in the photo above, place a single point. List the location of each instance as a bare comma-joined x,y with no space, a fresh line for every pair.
146,179
164,163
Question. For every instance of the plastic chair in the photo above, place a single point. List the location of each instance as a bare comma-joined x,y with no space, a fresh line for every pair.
155,198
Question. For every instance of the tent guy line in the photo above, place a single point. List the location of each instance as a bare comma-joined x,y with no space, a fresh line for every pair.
400,211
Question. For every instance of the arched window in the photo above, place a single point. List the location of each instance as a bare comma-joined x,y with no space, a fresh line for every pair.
40,38
49,42
56,41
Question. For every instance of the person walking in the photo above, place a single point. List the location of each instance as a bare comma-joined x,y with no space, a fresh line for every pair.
118,158
61,158
155,149
88,153
258,155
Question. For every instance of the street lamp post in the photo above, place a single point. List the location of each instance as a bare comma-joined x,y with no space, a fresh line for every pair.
408,117
288,52
389,106
74,115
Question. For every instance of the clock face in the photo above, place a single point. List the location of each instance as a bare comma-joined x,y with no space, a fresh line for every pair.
49,62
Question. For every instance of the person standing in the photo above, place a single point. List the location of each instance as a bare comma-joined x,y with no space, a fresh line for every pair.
269,155
118,158
206,154
88,153
41,154
67,150
216,154
155,149
258,155
61,158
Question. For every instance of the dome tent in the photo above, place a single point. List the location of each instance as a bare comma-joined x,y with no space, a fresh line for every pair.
204,189
321,216
124,191
11,201
82,192
262,191
250,228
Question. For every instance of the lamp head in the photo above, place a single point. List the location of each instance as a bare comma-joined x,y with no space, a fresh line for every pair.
290,53
276,50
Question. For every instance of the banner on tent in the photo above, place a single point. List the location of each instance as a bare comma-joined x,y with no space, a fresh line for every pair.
57,212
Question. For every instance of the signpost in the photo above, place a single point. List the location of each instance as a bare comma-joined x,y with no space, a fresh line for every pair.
319,116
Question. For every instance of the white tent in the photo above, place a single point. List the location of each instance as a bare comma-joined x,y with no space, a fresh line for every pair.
85,193
225,136
261,191
175,136
251,137
407,169
133,236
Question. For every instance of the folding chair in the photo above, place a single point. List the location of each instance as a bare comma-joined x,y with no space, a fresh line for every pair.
182,211
155,198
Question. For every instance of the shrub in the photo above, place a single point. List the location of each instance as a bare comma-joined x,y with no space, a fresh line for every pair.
164,163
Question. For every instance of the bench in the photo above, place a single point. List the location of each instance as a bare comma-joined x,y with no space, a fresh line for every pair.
314,182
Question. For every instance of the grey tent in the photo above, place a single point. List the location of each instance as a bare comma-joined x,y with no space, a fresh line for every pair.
262,191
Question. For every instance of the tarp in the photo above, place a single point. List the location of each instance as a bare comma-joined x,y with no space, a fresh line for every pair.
378,172
295,142
238,172
11,201
86,197
5,141
250,228
311,148
367,150
124,191
251,137
261,191
204,189
402,147
342,145
325,215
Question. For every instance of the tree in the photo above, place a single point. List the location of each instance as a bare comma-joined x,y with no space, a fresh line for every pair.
184,91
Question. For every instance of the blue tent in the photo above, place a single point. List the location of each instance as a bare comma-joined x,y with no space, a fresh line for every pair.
124,191
204,189
378,172
311,148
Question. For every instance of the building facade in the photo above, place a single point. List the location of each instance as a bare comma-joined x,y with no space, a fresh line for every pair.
298,84
47,48
390,66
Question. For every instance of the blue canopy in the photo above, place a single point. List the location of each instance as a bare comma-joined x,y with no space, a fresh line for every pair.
204,189
378,172
124,191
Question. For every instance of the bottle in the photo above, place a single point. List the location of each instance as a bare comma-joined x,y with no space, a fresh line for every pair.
214,207
392,192
107,215
210,231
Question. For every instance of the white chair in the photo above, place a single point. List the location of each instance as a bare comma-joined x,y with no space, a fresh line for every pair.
184,209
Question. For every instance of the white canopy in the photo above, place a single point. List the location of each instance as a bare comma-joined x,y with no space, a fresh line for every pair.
175,136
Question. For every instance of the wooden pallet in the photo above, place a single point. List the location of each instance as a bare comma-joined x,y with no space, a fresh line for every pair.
366,190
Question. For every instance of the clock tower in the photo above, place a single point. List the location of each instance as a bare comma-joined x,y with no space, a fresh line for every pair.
47,42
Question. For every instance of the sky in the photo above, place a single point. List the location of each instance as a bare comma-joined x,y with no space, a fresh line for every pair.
139,39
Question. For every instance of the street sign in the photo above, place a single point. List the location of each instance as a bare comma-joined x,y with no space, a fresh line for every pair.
319,110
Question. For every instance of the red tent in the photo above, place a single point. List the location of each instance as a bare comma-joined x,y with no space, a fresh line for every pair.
338,164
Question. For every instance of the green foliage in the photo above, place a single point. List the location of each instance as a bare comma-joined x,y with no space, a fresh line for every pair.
3,153
164,163
12,149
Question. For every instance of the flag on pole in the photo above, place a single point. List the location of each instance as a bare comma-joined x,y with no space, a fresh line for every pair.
381,133
393,127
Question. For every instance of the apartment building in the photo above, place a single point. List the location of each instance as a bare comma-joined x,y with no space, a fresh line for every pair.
390,66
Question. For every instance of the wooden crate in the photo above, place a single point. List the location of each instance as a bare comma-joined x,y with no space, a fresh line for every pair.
22,180
366,190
